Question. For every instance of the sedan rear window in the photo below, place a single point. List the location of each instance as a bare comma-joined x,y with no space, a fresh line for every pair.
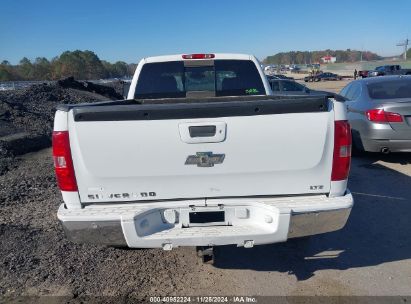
221,77
275,86
390,89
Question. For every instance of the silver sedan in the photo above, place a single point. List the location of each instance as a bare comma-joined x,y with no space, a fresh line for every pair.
379,111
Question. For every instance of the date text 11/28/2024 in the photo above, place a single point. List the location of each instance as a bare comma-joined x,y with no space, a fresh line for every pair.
203,299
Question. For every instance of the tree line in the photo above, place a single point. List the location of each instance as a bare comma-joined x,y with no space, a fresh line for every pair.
82,65
307,57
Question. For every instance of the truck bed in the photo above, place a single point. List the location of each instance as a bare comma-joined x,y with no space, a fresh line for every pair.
128,102
195,108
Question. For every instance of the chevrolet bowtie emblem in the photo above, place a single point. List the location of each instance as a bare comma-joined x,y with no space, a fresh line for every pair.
205,159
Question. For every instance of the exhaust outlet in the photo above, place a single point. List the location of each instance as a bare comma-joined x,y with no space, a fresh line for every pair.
385,150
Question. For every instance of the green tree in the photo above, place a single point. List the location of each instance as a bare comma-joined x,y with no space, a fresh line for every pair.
83,65
26,69
5,74
315,56
42,69
80,65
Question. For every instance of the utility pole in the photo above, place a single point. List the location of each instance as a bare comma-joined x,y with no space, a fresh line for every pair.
362,51
405,45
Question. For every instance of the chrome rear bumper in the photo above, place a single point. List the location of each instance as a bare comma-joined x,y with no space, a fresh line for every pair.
261,222
311,223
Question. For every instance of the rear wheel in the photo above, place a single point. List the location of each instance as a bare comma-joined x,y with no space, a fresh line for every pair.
357,146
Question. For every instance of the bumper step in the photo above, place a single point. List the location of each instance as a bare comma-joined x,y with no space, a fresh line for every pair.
248,221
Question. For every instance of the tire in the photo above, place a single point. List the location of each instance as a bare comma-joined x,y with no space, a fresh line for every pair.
357,146
355,151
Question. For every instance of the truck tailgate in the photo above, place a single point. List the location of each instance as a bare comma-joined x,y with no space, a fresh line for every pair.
178,151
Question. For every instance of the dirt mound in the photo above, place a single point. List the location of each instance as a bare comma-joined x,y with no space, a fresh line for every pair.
120,86
107,91
26,116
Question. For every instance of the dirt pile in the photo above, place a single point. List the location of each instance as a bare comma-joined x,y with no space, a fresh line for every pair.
111,90
26,115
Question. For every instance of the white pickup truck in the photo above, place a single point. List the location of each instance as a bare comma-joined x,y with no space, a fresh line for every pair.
200,154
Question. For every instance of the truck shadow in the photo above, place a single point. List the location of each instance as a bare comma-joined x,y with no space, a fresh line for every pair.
395,158
378,229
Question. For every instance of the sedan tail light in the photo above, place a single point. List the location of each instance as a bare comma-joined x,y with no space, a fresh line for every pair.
342,150
379,115
63,163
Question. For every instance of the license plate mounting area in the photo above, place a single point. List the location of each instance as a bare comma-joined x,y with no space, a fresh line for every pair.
207,218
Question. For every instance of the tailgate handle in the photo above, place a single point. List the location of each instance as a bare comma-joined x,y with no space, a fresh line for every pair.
202,131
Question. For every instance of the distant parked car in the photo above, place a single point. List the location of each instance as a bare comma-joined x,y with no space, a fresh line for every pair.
322,77
363,74
294,69
270,68
279,76
290,87
389,70
379,111
313,66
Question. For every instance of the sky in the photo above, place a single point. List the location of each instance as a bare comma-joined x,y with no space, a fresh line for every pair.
130,30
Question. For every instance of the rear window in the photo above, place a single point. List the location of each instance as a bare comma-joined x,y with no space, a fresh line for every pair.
354,91
390,89
222,77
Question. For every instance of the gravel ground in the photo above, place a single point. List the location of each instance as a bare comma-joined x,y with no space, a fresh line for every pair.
330,86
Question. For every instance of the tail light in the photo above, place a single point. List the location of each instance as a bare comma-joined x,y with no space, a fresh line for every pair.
342,151
379,115
63,164
198,56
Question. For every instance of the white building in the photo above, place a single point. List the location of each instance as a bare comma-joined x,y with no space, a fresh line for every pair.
328,59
